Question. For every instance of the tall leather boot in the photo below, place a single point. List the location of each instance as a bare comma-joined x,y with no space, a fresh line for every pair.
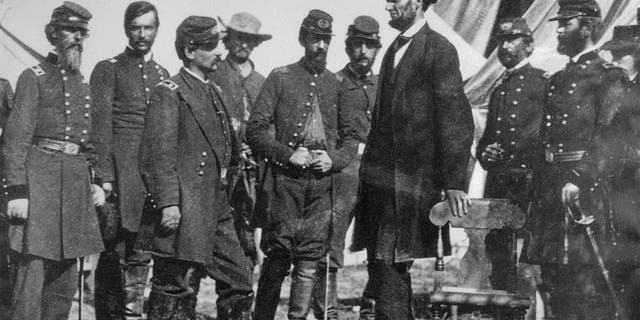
240,310
303,279
269,285
135,281
319,289
165,306
109,295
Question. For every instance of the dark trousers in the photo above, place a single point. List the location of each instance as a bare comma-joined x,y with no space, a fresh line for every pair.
575,292
175,283
298,235
120,278
6,267
393,293
44,289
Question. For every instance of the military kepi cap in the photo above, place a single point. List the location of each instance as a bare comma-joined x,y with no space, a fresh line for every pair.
318,22
71,14
364,27
625,38
513,27
570,9
197,30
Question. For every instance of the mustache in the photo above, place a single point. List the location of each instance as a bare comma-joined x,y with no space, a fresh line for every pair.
73,45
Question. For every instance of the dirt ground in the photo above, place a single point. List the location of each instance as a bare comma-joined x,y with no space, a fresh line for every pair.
351,282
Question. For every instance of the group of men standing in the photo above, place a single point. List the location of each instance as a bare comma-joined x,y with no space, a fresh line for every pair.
177,156
563,147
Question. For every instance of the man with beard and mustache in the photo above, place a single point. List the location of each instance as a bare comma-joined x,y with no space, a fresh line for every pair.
510,145
614,162
48,157
419,144
313,141
187,145
239,81
121,89
357,92
580,100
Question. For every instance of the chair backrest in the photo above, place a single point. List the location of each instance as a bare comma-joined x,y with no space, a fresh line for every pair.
483,214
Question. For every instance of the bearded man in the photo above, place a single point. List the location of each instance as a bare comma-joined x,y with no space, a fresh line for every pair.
580,102
421,132
48,157
357,93
313,141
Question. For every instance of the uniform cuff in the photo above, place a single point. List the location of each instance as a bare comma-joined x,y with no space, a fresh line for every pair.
18,191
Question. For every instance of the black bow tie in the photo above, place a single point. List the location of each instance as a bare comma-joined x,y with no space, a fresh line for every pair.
399,42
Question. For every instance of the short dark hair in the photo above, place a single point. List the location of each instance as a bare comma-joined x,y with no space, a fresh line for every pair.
138,8
594,24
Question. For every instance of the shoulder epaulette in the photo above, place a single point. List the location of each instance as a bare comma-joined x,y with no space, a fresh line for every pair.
38,70
169,84
113,60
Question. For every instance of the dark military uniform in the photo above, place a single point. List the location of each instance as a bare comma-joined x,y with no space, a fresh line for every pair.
6,270
242,93
513,121
185,150
611,176
48,152
298,215
121,89
579,101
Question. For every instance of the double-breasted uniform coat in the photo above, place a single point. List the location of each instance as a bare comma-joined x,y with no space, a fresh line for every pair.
121,88
580,101
358,94
513,121
52,103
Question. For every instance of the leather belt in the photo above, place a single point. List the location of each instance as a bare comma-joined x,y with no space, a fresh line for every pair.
57,145
569,156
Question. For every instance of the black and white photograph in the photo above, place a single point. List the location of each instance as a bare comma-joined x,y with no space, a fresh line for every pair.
320,160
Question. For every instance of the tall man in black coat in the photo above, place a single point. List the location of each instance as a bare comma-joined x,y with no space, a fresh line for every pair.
186,148
313,141
510,146
48,157
419,146
121,88
580,100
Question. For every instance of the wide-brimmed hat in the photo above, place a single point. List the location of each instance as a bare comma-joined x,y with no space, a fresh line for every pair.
570,9
247,23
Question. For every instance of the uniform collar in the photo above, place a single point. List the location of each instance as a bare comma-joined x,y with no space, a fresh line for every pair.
195,75
303,62
147,57
519,66
357,78
584,52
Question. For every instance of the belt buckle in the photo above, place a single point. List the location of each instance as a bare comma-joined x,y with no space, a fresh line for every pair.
70,148
549,155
